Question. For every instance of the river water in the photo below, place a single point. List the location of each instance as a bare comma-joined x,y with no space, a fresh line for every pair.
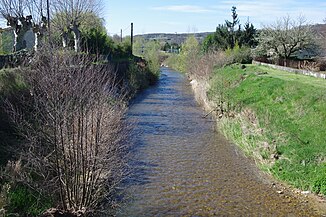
183,167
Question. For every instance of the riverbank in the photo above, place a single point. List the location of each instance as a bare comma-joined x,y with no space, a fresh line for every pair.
182,167
120,82
276,118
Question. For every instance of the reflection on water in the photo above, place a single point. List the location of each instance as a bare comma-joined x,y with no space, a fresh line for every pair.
181,167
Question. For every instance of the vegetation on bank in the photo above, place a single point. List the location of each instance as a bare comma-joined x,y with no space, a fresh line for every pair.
62,118
30,97
276,117
149,51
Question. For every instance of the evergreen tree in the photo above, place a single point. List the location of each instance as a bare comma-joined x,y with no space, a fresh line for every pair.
230,34
166,46
248,36
232,24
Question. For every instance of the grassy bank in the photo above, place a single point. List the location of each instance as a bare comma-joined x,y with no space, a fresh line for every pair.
278,118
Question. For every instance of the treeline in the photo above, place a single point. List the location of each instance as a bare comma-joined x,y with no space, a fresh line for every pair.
286,39
236,44
74,25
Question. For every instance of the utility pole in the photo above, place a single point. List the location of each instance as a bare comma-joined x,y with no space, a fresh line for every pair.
121,36
48,13
132,37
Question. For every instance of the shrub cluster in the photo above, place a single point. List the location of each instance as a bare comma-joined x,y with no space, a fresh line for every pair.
73,132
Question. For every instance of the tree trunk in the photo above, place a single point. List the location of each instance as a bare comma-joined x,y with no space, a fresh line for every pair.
14,49
36,41
18,40
64,37
285,62
76,33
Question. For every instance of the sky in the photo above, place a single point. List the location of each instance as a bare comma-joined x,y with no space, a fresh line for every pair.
181,16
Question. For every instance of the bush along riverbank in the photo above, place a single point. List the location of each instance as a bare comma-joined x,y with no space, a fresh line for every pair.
277,118
64,135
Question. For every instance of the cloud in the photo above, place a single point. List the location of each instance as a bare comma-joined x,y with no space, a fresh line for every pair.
183,8
266,12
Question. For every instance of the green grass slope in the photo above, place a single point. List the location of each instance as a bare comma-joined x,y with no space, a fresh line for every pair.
277,117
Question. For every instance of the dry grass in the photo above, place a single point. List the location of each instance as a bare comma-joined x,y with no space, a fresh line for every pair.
202,67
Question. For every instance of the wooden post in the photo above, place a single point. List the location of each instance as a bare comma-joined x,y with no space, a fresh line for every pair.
48,19
48,14
132,37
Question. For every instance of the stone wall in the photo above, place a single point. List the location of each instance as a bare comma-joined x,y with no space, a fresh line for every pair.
295,71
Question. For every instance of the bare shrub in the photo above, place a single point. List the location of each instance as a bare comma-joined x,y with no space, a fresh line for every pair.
202,67
74,130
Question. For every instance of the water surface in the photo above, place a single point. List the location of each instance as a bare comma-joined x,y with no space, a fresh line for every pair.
183,167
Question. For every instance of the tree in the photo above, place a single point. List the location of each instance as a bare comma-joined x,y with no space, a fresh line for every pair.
220,40
166,46
139,46
94,37
189,52
151,55
232,24
60,28
286,37
150,51
36,10
71,14
230,34
248,36
14,12
96,41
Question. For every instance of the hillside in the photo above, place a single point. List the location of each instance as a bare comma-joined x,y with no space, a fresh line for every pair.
320,30
173,37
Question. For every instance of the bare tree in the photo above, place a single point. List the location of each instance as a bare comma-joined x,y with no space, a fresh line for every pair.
22,16
286,37
37,10
70,15
75,130
13,12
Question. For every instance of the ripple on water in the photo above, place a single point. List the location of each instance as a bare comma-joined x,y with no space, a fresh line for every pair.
181,167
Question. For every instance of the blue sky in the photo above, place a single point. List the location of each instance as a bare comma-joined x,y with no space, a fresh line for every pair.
170,16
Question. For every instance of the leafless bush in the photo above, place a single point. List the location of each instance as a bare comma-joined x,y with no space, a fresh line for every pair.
74,128
202,67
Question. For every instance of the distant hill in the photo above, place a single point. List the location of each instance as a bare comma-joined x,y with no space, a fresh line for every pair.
178,38
320,30
173,37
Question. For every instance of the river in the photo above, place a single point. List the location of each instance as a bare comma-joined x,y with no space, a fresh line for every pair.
183,167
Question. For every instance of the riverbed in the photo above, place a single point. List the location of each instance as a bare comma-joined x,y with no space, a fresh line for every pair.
181,166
